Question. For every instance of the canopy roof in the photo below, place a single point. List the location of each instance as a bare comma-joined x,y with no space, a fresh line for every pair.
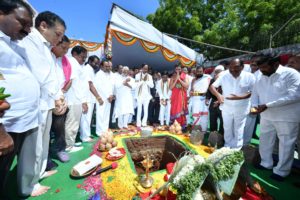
133,42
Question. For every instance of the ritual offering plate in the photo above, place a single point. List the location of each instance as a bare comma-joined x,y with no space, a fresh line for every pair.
115,154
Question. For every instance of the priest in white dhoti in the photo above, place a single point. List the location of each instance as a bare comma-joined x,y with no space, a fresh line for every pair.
144,82
199,87
164,93
124,101
92,98
104,83
235,101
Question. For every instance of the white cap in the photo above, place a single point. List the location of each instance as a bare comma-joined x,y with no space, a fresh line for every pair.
220,67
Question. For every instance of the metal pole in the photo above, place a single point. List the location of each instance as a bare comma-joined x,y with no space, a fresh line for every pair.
280,29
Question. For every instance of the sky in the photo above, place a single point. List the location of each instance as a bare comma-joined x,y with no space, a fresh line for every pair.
87,19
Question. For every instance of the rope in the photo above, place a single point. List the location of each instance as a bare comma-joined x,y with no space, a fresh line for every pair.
211,45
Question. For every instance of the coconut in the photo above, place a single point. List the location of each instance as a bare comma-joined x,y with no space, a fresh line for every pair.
103,140
172,129
114,143
110,134
110,139
177,128
179,132
108,146
102,147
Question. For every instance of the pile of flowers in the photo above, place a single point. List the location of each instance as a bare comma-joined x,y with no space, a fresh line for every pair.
191,171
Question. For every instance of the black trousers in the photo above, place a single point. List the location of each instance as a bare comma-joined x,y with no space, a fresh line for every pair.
7,160
58,130
215,114
153,110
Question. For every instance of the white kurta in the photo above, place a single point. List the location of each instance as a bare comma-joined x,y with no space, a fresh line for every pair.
104,83
124,101
143,96
164,93
234,112
86,118
36,50
199,108
23,87
281,93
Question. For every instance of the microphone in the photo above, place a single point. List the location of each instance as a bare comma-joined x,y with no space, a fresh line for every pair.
114,165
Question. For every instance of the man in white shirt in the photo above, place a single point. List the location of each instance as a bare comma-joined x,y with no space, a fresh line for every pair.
278,95
36,50
63,72
21,120
144,82
124,100
164,98
199,87
294,62
104,83
76,95
92,98
235,101
251,120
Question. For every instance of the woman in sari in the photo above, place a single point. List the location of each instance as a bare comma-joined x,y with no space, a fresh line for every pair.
179,85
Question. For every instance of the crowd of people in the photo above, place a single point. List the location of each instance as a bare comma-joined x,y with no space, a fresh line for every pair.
52,93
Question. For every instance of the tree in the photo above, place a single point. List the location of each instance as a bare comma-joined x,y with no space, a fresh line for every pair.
239,24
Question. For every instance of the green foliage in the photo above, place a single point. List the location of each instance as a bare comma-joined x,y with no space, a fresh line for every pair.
239,24
222,170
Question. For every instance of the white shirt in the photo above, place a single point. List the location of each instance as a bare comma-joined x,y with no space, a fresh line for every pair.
124,100
23,87
89,76
238,86
77,92
105,84
143,87
281,93
201,85
60,73
37,52
189,79
163,89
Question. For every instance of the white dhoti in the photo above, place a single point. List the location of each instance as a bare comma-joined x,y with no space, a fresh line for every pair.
200,112
28,172
44,139
287,133
72,124
32,160
164,113
249,128
234,120
85,123
123,120
142,104
102,117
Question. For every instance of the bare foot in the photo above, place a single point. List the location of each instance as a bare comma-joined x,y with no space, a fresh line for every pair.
39,191
48,173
